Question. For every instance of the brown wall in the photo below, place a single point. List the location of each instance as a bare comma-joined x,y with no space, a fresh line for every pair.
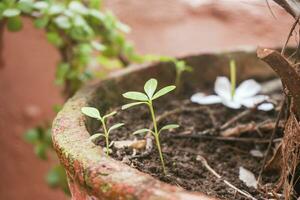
162,27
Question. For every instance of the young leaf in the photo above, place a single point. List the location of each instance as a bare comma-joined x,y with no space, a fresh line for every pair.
55,39
136,96
96,136
78,7
11,12
56,9
41,5
150,87
144,130
41,151
124,107
98,46
109,114
41,22
62,22
95,3
91,112
163,91
169,126
32,135
25,5
115,127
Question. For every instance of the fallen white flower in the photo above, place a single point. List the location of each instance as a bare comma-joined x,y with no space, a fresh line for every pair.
247,177
244,95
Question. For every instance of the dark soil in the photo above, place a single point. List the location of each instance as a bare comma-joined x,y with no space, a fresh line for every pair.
180,154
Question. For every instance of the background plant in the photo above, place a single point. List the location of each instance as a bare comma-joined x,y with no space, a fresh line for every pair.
95,113
91,43
147,98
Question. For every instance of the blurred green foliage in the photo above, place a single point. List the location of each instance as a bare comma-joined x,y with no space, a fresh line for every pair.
82,31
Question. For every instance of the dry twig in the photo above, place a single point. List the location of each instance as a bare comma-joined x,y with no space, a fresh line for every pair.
226,139
243,128
211,170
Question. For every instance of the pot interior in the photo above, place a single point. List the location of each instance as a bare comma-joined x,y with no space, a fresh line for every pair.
206,67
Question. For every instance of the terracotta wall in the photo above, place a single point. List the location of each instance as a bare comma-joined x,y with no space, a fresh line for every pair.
172,27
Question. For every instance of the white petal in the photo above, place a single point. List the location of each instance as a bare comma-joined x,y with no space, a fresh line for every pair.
256,153
201,98
223,87
265,107
247,177
232,104
253,101
247,89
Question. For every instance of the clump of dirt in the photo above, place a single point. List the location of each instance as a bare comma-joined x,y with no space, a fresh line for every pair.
183,167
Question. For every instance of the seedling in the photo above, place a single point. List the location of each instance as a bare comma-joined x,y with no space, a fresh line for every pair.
95,113
147,98
180,67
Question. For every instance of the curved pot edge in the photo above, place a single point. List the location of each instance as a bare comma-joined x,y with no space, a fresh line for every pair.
101,176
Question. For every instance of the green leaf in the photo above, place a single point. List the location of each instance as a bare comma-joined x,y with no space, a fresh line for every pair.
56,177
79,21
141,131
57,107
124,107
14,23
25,6
62,22
11,12
41,5
94,138
61,73
97,14
41,22
98,46
55,39
40,150
110,114
123,27
32,135
91,112
169,126
56,9
136,96
95,4
53,178
78,7
163,91
150,87
115,127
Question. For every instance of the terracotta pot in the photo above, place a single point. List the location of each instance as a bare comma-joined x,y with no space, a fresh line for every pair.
91,174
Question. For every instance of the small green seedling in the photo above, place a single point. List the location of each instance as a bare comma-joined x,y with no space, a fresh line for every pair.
232,77
147,98
180,67
95,113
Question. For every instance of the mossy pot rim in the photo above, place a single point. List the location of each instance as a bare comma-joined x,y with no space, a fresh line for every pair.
91,174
